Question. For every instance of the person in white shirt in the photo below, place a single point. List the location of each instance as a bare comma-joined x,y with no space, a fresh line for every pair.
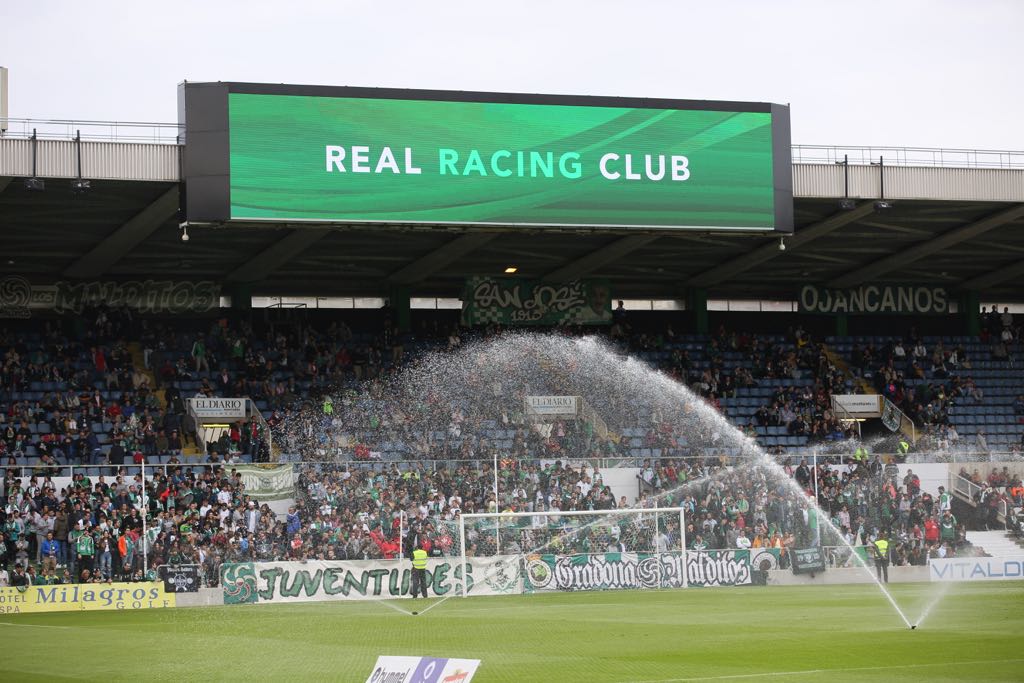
584,486
743,541
252,517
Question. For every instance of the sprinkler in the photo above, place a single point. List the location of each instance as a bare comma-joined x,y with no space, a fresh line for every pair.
416,613
911,628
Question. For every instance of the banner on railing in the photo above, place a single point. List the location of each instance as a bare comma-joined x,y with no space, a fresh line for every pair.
183,578
891,416
808,560
364,579
85,597
551,405
977,569
268,482
856,405
218,408
509,301
610,571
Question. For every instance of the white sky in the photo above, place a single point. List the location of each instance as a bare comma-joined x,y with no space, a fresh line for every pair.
931,73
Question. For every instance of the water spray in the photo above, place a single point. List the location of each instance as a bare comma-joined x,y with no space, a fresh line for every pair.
587,367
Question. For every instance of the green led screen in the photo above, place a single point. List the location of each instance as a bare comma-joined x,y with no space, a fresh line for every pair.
361,159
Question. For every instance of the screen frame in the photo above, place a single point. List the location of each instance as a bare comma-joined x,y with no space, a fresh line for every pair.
203,113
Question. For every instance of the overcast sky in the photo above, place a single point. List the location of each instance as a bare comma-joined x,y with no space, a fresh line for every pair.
936,73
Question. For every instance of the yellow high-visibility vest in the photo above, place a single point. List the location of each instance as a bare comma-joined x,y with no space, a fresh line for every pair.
419,558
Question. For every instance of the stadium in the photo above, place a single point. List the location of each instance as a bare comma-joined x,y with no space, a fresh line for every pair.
402,385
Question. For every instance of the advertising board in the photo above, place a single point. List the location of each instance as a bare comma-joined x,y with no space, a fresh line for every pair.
85,597
977,569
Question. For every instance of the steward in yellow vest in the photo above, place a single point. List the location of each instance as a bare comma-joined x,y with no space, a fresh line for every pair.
881,546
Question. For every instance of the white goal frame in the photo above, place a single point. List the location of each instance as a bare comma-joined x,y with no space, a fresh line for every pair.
681,512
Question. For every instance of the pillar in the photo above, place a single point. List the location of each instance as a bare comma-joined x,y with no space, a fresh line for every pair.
842,325
970,313
398,299
697,301
241,296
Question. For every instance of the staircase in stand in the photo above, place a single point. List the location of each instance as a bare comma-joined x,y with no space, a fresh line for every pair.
995,543
865,387
139,363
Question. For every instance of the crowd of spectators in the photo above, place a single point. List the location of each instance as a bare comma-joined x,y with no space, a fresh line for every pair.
926,381
93,529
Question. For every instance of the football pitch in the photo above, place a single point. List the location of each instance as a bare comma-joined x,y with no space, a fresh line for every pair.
833,633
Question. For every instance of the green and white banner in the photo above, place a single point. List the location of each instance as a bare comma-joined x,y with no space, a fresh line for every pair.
268,482
254,582
611,571
364,579
511,301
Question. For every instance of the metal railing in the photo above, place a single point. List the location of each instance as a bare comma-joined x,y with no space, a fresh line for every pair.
966,490
170,133
953,455
429,464
27,471
907,156
94,131
613,461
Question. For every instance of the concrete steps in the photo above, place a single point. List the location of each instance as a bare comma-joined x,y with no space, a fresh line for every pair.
995,543
139,363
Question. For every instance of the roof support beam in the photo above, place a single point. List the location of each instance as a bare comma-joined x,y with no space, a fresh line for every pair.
983,282
270,259
924,249
425,266
599,257
768,251
119,243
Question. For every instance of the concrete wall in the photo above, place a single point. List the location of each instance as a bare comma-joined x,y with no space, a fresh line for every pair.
839,576
205,597
622,481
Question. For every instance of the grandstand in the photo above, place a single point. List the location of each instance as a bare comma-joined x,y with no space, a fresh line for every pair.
373,410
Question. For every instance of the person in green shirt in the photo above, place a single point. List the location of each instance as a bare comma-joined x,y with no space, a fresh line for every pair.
947,528
13,528
73,536
85,549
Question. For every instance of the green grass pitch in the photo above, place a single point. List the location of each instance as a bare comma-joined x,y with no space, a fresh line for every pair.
833,633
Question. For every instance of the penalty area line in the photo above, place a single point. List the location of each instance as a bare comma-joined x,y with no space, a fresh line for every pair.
11,623
809,672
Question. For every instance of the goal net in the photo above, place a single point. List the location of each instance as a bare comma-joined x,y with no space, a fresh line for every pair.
581,550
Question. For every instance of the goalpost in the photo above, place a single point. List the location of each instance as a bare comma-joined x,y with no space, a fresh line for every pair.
602,549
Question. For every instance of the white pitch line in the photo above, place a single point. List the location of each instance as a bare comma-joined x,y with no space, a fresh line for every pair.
807,672
11,623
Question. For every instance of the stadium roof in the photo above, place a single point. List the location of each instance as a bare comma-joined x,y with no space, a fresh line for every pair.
958,224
